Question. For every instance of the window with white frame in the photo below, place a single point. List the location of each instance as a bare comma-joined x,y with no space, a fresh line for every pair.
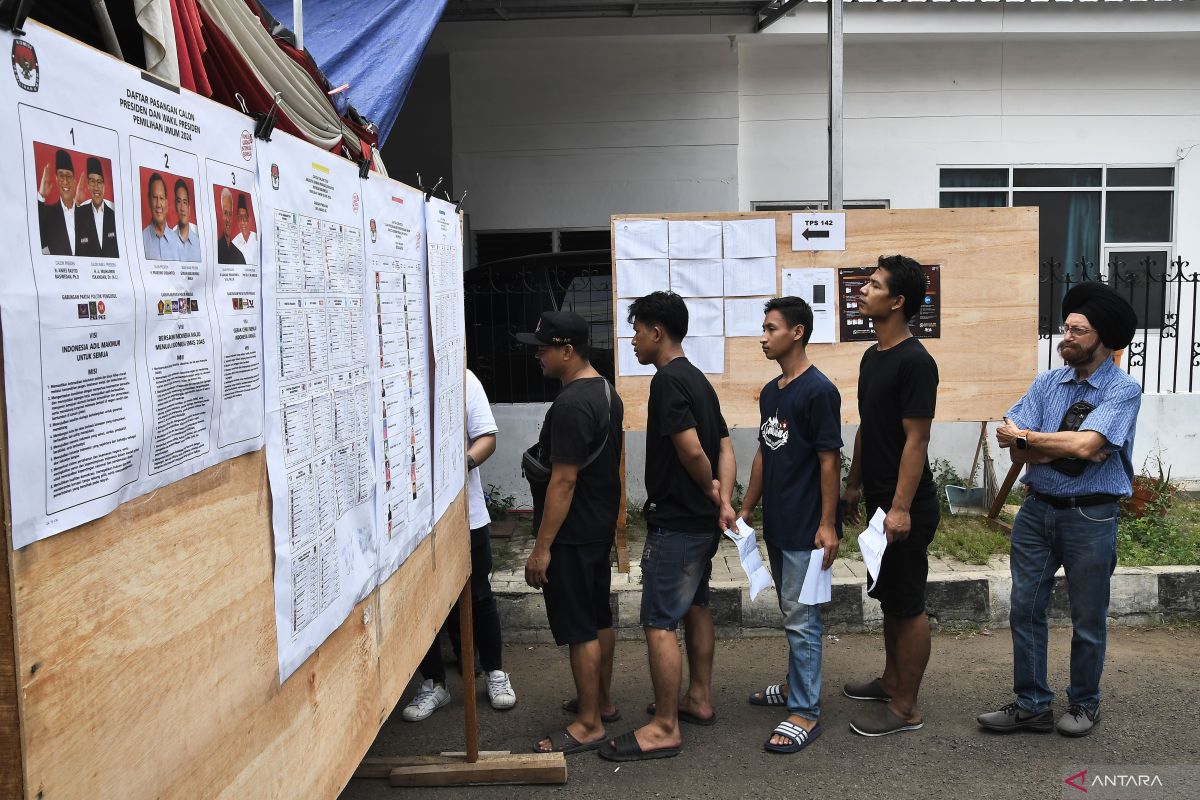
813,205
1114,221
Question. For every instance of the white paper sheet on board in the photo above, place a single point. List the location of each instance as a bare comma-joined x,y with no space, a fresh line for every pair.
818,287
706,316
694,239
627,363
640,238
744,316
706,352
698,277
749,238
624,329
639,277
748,277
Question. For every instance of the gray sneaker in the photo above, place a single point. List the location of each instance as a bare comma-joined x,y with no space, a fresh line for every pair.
867,690
1013,718
1078,721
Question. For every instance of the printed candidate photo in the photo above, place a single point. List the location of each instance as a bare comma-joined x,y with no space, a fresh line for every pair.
237,229
76,216
169,216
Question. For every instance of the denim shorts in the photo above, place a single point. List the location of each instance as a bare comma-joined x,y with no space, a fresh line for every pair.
676,566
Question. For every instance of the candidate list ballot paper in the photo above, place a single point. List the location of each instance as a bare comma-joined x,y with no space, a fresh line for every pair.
318,392
133,348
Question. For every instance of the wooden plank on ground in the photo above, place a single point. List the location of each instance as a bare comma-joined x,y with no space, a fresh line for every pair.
523,768
382,766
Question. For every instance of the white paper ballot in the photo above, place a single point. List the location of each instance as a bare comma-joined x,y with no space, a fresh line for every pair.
706,352
872,542
627,363
694,239
636,278
750,558
749,276
706,316
744,317
817,287
640,238
701,277
749,238
818,583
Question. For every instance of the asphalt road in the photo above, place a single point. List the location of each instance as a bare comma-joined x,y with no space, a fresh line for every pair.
1150,716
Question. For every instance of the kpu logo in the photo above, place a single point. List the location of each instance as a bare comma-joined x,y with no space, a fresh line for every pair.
25,65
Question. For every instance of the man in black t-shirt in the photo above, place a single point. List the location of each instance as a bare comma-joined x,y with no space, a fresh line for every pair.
897,395
575,517
797,473
690,473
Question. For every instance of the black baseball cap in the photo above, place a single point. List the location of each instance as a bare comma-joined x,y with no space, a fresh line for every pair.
557,328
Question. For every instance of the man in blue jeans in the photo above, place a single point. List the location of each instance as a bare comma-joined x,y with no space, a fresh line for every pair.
797,473
1074,432
690,472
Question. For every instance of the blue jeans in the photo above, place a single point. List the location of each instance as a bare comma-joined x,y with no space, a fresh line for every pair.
803,626
1084,542
676,566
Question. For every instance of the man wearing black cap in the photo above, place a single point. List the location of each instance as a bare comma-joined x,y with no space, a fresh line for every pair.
575,516
56,221
1074,432
95,222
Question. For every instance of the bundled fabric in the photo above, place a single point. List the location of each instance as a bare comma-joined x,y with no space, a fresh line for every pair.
1109,313
375,46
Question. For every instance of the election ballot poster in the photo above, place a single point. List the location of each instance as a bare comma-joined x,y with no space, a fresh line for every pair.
318,392
444,232
399,351
132,344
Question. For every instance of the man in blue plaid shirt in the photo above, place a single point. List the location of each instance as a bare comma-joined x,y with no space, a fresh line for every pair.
1074,432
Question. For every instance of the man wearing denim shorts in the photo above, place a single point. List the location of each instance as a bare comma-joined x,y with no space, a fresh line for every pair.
1074,432
897,393
690,472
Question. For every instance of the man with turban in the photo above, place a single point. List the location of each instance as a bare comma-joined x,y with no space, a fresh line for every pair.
1074,432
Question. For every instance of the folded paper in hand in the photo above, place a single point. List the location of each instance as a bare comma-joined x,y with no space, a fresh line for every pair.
872,542
818,583
747,545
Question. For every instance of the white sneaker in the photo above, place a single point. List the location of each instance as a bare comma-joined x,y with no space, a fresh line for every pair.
500,690
428,699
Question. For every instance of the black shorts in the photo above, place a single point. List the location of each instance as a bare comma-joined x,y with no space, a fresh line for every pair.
577,592
904,572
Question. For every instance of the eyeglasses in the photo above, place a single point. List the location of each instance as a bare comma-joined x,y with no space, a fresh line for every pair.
1075,331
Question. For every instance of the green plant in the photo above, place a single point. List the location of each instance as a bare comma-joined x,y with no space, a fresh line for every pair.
739,494
498,503
944,474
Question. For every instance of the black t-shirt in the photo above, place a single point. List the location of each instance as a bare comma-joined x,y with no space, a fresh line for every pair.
574,426
893,385
798,421
680,398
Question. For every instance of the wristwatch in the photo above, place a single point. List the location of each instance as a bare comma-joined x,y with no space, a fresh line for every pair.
471,463
1022,442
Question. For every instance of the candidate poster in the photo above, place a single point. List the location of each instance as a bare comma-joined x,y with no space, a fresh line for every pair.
127,365
318,391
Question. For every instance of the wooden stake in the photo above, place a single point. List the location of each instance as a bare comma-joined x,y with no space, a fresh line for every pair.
466,628
529,768
1002,495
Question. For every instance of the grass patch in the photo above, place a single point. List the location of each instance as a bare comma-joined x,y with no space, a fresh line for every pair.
1158,540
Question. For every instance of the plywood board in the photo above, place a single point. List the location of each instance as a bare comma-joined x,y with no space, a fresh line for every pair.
146,658
987,352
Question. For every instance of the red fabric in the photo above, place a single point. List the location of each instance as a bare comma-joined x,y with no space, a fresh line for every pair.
191,44
186,80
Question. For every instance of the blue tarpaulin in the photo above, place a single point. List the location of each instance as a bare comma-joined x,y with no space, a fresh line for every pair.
373,45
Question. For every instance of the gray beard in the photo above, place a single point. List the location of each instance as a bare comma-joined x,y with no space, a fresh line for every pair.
1084,357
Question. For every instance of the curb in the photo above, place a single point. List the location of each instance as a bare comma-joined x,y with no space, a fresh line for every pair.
1139,596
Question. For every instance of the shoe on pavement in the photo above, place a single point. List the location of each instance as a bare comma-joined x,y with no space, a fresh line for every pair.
500,691
867,690
1078,721
428,699
1014,718
879,720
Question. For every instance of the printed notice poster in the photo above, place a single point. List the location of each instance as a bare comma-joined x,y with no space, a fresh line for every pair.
318,392
927,324
444,233
399,353
129,366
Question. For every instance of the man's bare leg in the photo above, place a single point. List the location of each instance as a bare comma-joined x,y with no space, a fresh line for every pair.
910,657
666,666
585,668
608,641
701,640
890,679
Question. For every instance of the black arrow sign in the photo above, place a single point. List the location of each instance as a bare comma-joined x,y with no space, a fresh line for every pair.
810,234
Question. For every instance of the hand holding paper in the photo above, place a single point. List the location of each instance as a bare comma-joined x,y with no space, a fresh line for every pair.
872,542
747,545
818,582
